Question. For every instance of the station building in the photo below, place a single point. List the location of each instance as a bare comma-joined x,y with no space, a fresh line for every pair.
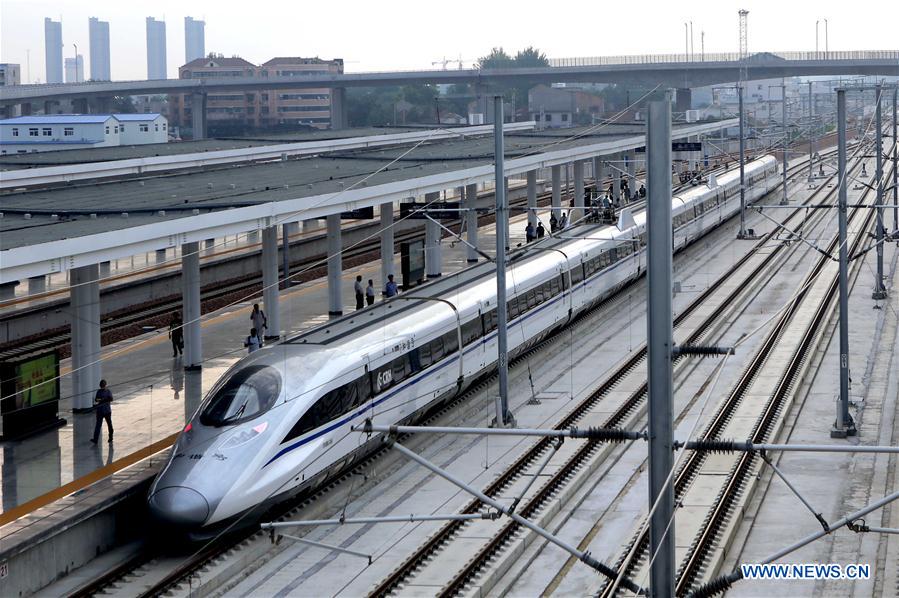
44,133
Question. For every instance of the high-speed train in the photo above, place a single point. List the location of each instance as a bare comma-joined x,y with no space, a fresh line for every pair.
279,421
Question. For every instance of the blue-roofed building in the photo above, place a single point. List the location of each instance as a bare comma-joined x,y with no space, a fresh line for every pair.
137,129
26,134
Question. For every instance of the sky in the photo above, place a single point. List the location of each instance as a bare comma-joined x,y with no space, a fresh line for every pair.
395,35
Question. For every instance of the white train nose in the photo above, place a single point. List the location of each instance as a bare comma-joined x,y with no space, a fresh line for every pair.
178,505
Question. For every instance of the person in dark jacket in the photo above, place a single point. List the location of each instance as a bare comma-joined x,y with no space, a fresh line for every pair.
176,333
102,401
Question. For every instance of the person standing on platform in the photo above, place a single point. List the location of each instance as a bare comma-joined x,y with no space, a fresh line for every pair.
553,223
370,292
390,289
260,322
176,333
529,233
102,402
563,223
540,230
360,293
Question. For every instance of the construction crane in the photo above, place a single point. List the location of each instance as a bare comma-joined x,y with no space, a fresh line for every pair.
445,61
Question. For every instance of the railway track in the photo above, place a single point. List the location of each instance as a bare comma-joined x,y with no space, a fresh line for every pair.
621,395
787,348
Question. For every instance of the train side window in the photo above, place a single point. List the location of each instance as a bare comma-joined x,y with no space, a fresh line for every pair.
512,309
436,349
364,390
450,342
331,406
415,360
471,330
425,356
489,321
400,368
558,285
532,298
577,274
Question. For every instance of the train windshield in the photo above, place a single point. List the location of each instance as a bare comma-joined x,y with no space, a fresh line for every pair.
247,393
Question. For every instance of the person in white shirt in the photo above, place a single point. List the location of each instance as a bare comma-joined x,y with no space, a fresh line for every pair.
252,343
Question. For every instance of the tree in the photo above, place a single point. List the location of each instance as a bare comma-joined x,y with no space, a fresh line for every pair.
123,105
530,57
496,59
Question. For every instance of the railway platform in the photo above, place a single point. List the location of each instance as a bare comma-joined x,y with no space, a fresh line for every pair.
154,394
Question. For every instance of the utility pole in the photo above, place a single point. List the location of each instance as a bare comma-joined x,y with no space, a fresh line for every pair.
660,347
743,234
783,96
843,426
503,416
811,172
895,170
880,291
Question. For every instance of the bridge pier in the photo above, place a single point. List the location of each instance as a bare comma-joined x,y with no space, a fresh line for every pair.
198,115
683,98
80,106
98,105
338,108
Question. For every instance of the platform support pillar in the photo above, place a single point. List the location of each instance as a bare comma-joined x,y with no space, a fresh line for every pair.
556,201
599,174
471,221
387,245
843,426
335,266
880,291
37,284
616,179
631,174
660,347
578,211
532,198
285,256
432,240
270,282
190,297
85,305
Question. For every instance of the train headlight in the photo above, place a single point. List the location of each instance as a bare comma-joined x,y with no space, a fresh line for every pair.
244,436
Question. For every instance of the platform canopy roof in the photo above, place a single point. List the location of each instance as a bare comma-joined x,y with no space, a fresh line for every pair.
45,231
